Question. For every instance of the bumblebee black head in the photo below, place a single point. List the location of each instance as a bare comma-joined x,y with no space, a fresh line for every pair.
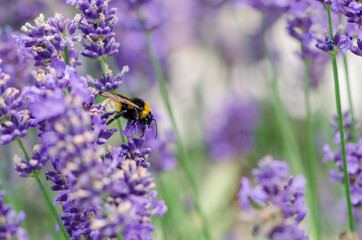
148,119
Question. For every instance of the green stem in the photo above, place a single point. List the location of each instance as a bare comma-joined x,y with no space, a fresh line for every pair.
24,149
46,196
180,148
66,55
343,150
103,66
66,59
311,151
340,124
330,21
52,209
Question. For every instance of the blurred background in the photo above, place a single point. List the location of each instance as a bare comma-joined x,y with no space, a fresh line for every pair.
219,83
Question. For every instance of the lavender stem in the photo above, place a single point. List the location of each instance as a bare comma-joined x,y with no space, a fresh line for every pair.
340,125
103,66
24,149
66,55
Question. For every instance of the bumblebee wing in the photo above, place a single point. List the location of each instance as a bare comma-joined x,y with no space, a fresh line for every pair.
119,98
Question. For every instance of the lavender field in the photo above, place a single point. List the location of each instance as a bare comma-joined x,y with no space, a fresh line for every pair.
180,119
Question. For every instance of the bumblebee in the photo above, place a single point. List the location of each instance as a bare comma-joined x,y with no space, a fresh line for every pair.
133,109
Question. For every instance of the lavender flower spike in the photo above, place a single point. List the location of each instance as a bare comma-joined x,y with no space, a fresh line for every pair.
97,25
277,196
48,38
110,82
36,163
14,118
354,162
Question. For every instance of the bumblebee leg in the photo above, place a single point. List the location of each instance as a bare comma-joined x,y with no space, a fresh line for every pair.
118,115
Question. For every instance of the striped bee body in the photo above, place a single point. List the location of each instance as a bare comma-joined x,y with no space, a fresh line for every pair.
132,109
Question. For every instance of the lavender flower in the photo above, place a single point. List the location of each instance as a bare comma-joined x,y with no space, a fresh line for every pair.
47,39
110,82
14,117
347,126
100,193
97,26
351,9
357,34
233,134
10,221
36,163
340,41
75,219
299,25
354,163
139,149
280,197
116,192
98,124
130,203
345,43
354,169
327,44
134,149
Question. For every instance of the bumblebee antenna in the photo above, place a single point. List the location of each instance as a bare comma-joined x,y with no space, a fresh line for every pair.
156,126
